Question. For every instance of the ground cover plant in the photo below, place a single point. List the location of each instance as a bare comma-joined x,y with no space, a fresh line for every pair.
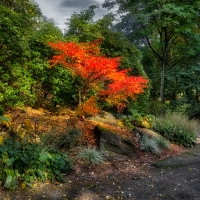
149,145
28,163
134,118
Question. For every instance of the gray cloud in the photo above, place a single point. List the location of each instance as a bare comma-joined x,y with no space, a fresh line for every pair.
61,10
78,4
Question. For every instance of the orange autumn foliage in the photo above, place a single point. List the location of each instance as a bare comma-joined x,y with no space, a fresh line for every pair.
88,108
98,72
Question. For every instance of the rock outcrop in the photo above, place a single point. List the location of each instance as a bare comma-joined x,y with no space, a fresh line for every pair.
112,143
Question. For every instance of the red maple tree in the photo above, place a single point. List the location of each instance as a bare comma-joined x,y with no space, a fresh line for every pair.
98,72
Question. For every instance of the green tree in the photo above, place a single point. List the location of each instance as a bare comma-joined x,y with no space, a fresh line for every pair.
40,53
158,24
81,27
24,52
183,85
14,53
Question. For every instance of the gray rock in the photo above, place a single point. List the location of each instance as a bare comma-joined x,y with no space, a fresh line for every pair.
147,132
112,143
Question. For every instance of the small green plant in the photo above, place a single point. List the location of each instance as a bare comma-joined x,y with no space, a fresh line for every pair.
69,138
91,156
149,145
4,118
177,128
28,162
162,142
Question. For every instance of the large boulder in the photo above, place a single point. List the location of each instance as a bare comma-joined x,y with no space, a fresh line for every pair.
113,143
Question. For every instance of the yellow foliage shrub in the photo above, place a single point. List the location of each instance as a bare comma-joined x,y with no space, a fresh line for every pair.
6,124
145,124
1,139
27,124
26,128
88,108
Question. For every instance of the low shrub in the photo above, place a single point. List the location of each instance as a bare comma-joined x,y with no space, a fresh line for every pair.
91,156
25,163
177,128
66,139
138,119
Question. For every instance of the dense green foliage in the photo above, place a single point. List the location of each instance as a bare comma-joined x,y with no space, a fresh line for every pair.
167,32
28,162
26,78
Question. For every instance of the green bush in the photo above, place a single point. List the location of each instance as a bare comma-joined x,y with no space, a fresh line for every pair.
177,128
66,139
149,145
28,162
156,108
91,156
138,119
194,111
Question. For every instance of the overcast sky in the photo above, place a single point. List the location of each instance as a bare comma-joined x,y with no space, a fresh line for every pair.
60,10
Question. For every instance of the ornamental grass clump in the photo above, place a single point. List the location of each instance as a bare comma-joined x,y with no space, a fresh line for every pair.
177,128
162,142
149,145
91,156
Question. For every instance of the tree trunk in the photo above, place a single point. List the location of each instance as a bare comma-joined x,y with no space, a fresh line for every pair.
162,82
79,97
